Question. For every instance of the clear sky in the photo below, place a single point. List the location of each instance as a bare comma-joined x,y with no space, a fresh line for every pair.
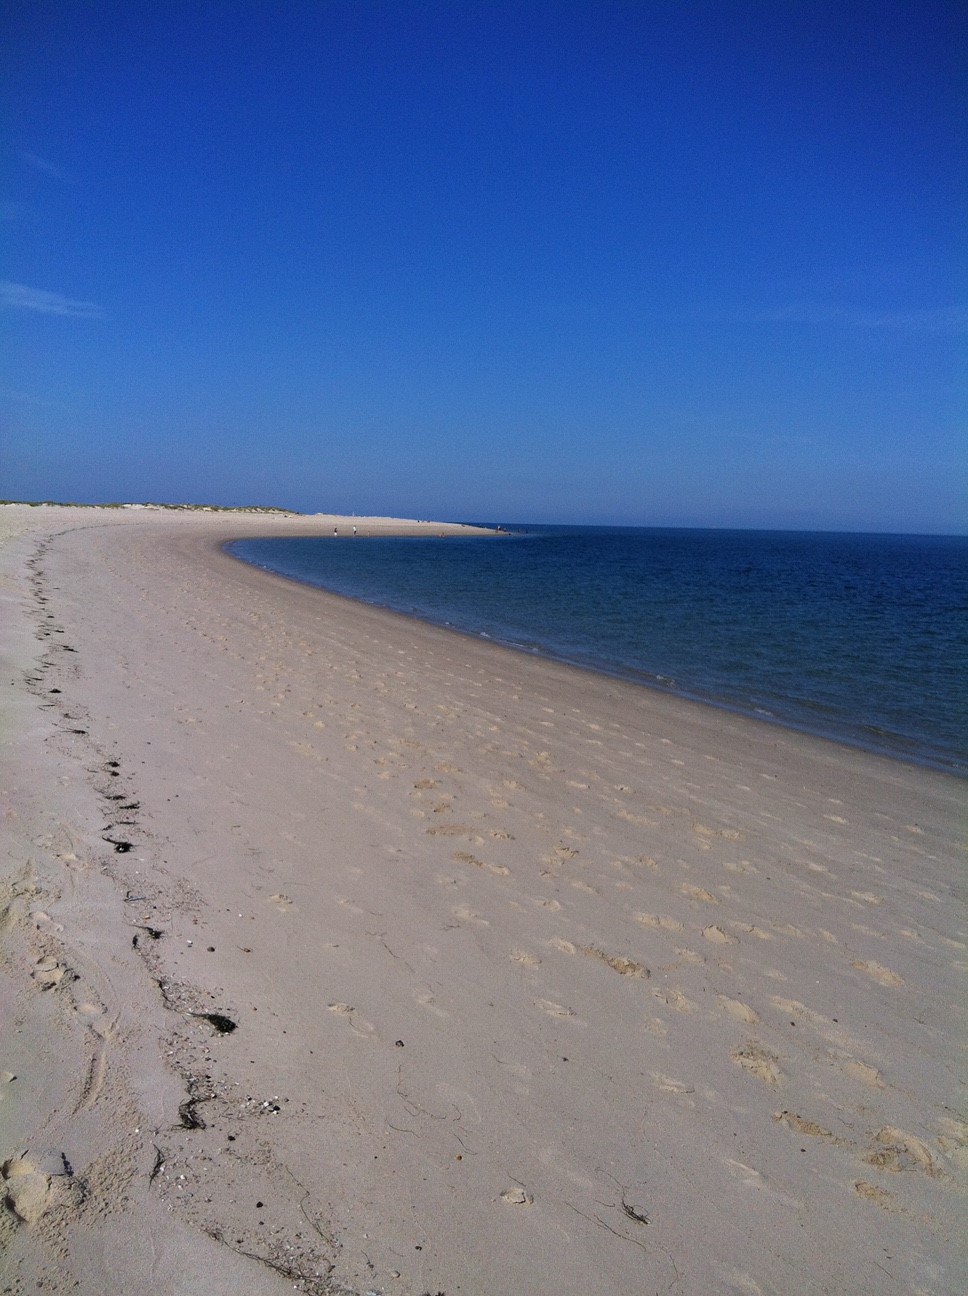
658,262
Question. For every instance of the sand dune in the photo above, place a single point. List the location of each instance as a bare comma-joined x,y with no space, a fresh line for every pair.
345,953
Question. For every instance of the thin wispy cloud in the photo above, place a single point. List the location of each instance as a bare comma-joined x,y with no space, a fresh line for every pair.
14,296
46,168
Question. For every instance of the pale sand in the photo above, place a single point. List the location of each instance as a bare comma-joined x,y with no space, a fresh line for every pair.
544,983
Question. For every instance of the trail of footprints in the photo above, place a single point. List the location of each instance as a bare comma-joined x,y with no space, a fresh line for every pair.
706,917
475,846
39,1187
886,1148
38,1182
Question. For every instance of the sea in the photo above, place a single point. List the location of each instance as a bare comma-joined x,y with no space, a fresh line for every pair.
862,639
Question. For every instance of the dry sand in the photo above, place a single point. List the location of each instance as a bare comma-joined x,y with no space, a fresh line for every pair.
541,983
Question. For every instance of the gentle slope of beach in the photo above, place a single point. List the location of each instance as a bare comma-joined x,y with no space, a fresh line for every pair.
540,982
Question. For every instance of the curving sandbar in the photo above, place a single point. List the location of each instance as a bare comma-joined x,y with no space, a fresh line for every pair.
346,953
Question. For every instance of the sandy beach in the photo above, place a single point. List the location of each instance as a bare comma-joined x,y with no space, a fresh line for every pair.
346,954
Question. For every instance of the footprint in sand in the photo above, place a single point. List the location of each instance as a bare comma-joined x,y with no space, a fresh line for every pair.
952,1140
282,902
893,1149
563,946
717,936
794,1008
865,1073
36,1181
739,1011
640,821
909,933
758,932
556,1009
863,930
754,1178
463,857
43,922
730,834
625,967
426,999
579,885
524,958
94,1016
516,1197
675,999
758,1062
669,1085
359,1024
456,830
698,893
553,905
879,1196
810,1129
658,920
466,914
689,956
561,853
48,973
882,975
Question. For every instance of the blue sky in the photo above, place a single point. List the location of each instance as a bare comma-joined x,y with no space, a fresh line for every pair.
651,263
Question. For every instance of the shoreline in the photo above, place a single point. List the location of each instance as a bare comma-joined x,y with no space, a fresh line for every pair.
518,957
951,765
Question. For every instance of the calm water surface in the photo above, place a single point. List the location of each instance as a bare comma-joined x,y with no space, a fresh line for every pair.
861,638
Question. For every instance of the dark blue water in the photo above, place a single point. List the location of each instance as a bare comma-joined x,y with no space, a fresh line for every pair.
860,638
